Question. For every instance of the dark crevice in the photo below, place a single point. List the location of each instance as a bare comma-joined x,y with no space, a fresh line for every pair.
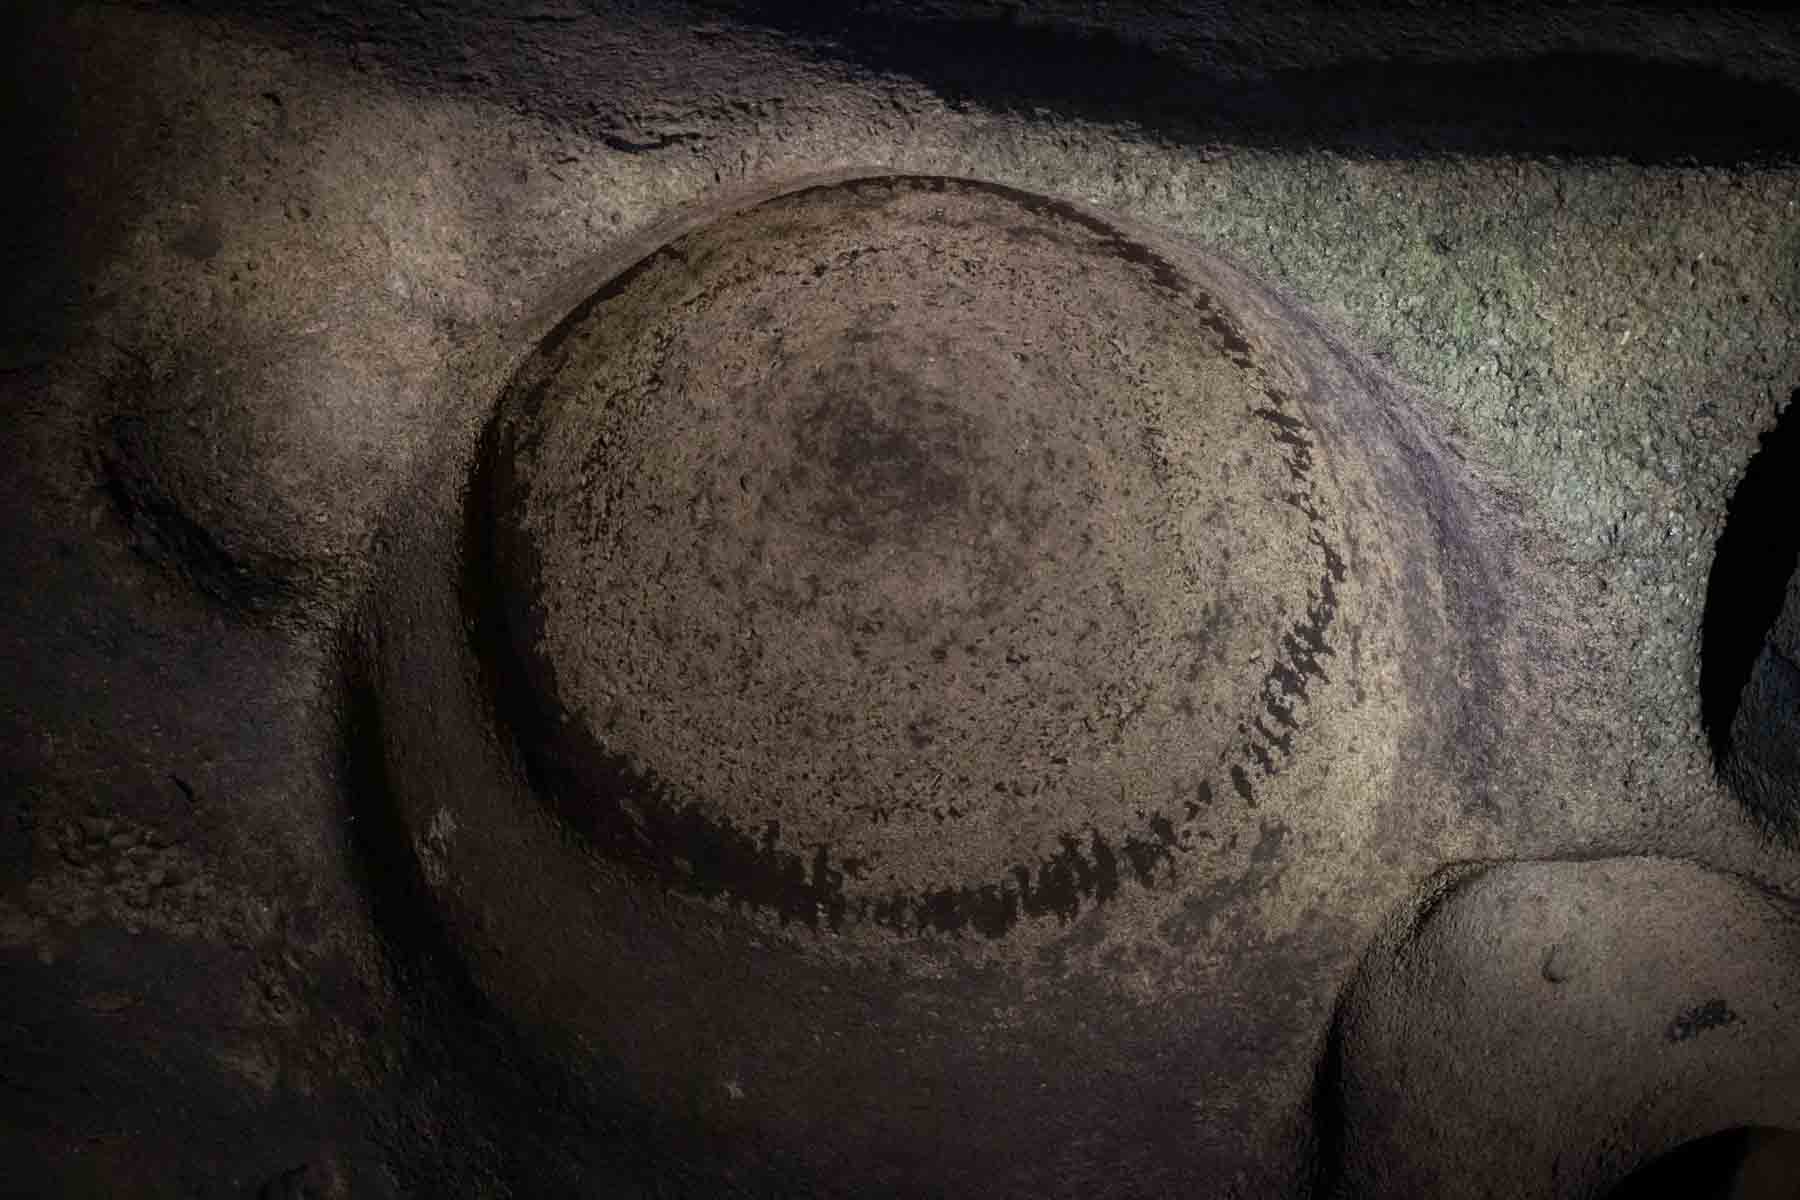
1752,563
1707,1168
1558,103
1223,82
1329,1122
1334,1090
167,535
459,1056
420,954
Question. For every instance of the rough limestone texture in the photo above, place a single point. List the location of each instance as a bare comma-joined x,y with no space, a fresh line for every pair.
904,535
306,887
1541,1029
981,615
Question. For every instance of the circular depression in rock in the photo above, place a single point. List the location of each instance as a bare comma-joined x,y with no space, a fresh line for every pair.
909,553
928,664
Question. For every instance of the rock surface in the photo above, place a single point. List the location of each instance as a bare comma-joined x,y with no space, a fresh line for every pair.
928,554
271,267
979,619
1542,1029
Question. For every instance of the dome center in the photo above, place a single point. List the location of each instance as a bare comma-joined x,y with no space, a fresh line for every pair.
904,540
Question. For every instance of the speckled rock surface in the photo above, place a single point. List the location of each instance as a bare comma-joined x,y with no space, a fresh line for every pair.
1643,1002
271,273
899,537
987,616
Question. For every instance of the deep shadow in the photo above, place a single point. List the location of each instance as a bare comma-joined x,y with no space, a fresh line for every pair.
419,952
1755,556
1329,1125
79,139
168,535
1710,1168
1201,85
1564,104
461,1068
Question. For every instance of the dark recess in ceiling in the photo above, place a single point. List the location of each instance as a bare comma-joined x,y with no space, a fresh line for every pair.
1197,81
1755,557
1556,102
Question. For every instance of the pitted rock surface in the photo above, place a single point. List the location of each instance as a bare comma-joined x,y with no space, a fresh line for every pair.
943,662
913,552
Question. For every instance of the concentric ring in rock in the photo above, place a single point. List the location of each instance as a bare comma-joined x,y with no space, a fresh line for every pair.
909,553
